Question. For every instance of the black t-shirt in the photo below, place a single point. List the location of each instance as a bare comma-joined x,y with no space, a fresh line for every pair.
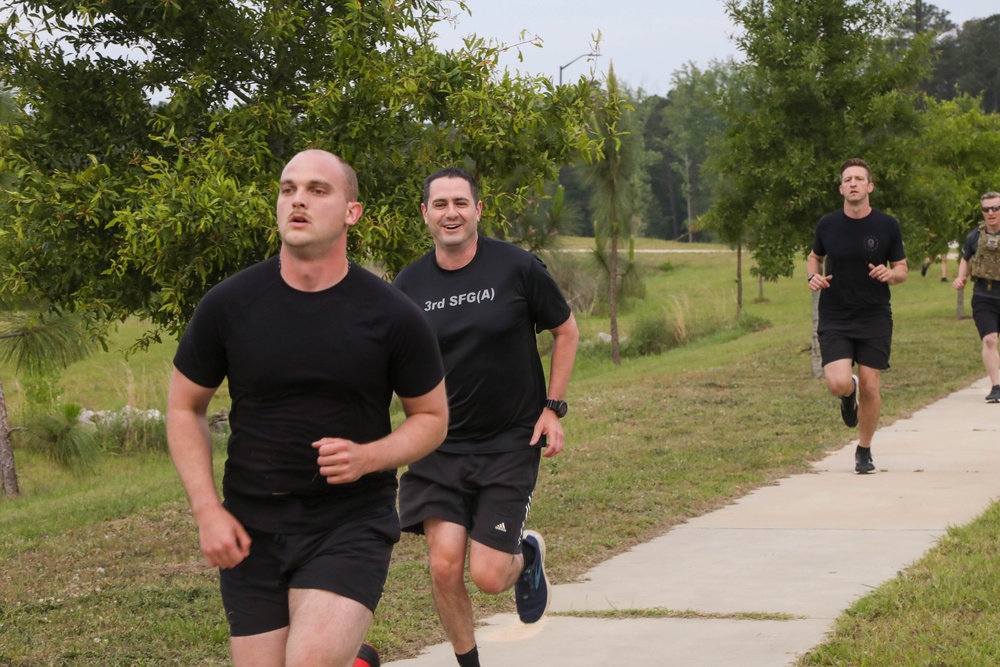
302,366
486,315
981,285
849,245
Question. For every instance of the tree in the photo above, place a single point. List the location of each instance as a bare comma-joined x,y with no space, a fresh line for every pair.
818,86
613,180
958,144
145,170
694,119
664,216
8,470
35,344
921,17
969,63
548,217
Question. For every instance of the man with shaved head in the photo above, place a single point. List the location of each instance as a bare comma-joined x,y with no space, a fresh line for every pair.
313,347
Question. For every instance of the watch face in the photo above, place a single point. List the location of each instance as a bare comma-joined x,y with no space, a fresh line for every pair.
559,407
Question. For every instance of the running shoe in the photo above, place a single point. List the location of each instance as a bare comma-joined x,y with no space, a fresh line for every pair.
994,395
532,592
863,463
849,405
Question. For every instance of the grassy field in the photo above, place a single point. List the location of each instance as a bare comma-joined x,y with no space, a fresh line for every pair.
104,569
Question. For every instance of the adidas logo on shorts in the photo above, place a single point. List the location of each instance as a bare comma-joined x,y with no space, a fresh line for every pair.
502,527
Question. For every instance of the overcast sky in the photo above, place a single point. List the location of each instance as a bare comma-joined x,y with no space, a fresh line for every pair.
648,40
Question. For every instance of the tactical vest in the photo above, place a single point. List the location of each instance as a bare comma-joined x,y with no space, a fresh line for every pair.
985,263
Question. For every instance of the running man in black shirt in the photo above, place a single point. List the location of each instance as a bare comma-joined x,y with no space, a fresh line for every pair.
863,253
312,347
486,300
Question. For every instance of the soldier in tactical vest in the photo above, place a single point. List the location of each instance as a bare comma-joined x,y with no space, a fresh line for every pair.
981,260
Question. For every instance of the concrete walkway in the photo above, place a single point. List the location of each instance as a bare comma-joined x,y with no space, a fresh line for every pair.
808,547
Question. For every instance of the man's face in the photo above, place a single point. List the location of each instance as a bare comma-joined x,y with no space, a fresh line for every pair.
991,212
313,210
451,214
855,185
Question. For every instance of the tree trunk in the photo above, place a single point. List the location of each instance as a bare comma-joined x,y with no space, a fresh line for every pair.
613,295
739,279
760,288
675,214
8,473
689,194
817,359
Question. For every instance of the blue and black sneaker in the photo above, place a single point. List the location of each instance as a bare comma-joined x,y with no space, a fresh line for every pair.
532,592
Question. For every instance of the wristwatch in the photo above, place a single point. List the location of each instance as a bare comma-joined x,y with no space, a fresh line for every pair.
558,407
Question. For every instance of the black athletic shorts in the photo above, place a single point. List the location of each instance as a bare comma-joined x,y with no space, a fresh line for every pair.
986,314
872,352
489,494
351,560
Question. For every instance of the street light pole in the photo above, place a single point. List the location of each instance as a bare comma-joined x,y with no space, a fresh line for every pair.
582,55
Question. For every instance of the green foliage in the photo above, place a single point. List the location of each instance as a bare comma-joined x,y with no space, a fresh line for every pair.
577,281
548,216
649,335
123,205
64,439
628,285
41,390
749,323
957,145
819,86
129,432
38,346
37,343
969,63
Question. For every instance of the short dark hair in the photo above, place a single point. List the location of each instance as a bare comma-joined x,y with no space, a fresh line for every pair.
855,162
451,172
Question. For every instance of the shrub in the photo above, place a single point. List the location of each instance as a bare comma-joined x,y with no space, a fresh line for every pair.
129,430
749,323
650,335
578,283
64,439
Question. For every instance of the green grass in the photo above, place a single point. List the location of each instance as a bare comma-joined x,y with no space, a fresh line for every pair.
105,570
